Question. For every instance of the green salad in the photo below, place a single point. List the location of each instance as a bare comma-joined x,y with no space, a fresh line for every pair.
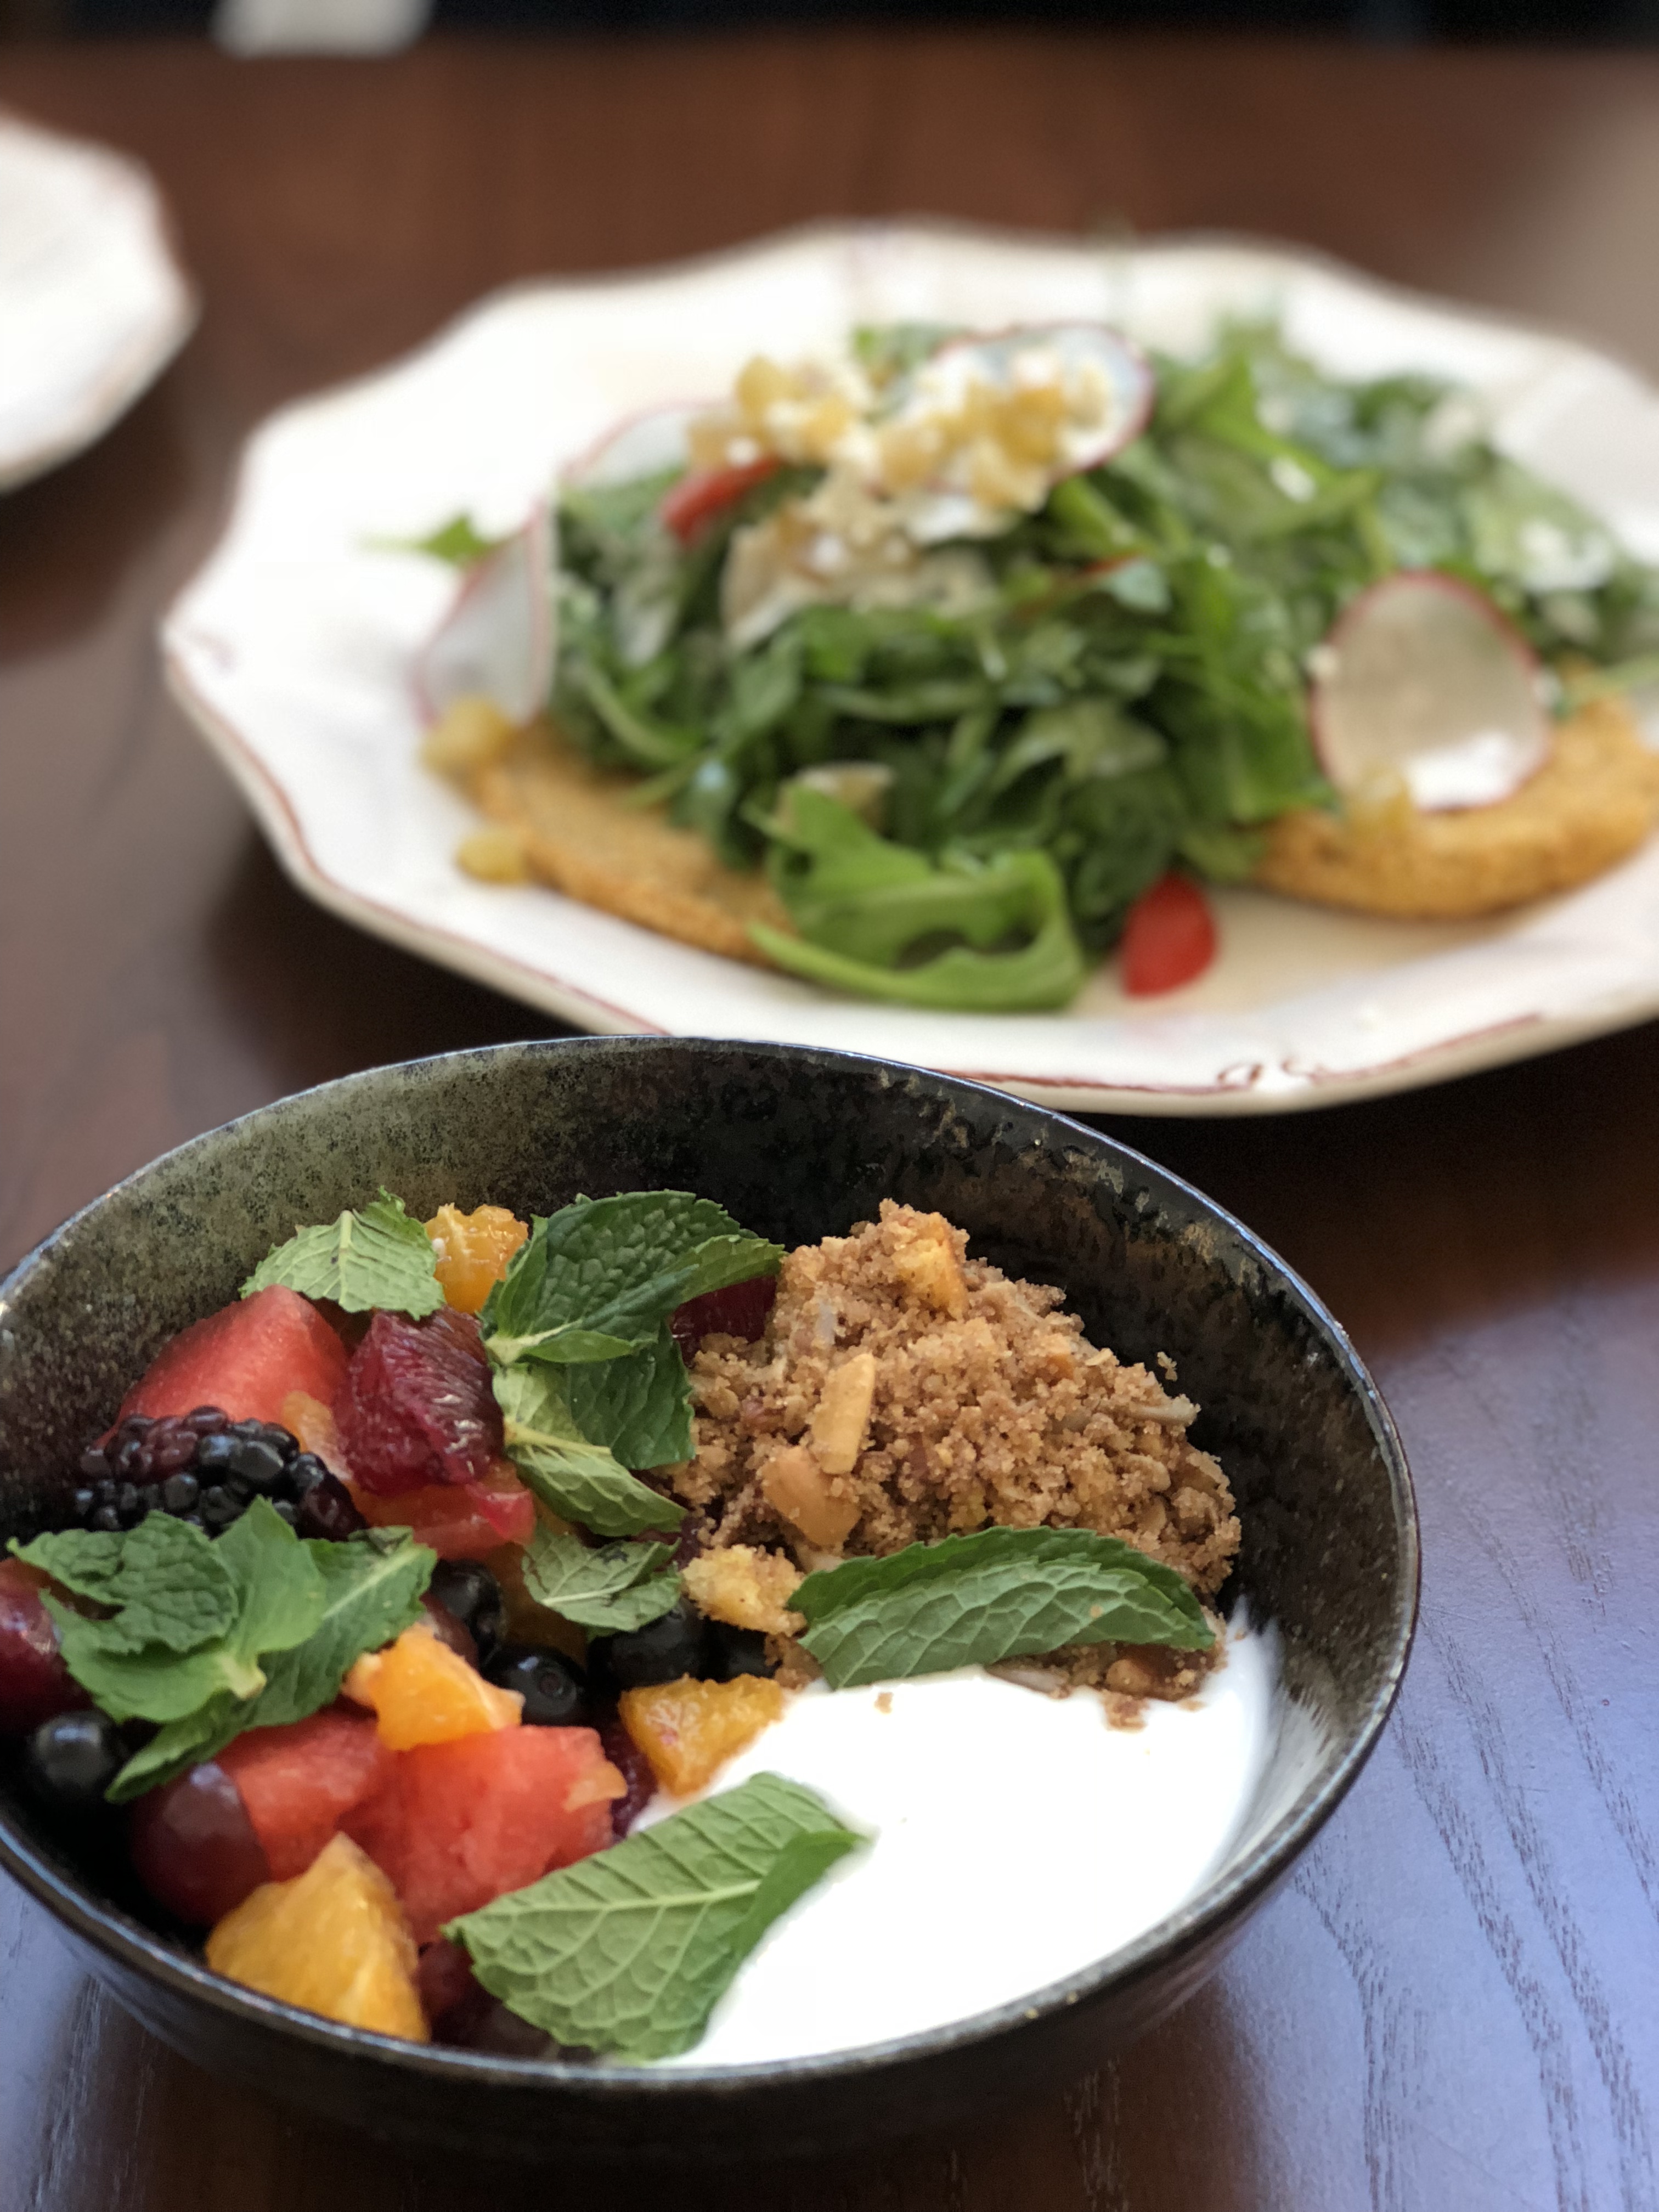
960,773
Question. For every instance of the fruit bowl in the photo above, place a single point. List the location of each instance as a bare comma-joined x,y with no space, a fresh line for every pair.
800,1144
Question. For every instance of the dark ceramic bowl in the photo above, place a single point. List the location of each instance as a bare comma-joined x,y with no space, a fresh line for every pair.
797,1144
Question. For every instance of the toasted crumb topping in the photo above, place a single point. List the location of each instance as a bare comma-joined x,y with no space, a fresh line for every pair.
904,1391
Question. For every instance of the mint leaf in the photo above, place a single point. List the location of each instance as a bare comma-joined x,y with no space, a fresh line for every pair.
150,1685
279,1587
620,1266
379,1255
612,1588
371,1594
582,1482
629,1951
997,1593
640,1407
170,1586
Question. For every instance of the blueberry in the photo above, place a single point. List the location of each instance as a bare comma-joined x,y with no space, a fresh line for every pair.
661,1651
180,1493
734,1651
468,1590
71,1759
554,1688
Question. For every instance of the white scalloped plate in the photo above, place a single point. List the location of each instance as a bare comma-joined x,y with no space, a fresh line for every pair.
93,302
293,650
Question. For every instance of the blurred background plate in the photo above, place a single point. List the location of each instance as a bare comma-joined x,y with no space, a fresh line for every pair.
93,302
293,651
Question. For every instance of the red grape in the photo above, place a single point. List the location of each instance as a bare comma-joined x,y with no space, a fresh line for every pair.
193,1845
34,1683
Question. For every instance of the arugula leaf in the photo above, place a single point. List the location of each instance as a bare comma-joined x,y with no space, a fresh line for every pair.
458,541
167,1579
629,1951
582,1482
378,1255
371,1594
638,1408
611,1588
997,1593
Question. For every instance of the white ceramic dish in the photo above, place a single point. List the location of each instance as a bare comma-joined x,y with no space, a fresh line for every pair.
92,301
293,649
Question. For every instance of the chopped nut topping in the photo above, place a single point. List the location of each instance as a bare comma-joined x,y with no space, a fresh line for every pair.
797,1488
843,1414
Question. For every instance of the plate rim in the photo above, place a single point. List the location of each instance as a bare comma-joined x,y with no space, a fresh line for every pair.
1232,1092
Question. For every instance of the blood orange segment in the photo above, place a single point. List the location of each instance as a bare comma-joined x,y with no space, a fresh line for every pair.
299,1781
246,1358
458,1824
465,1521
739,1311
423,1692
416,1407
472,1251
334,1941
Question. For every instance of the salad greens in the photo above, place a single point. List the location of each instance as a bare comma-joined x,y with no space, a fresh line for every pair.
1123,692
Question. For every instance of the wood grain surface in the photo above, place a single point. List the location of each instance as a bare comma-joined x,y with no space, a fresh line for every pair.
1452,2006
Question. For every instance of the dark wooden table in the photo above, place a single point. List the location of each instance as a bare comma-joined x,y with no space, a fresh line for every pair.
1455,2004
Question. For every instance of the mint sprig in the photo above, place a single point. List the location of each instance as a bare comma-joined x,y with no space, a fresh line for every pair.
613,1589
581,1481
628,1952
998,1594
377,1255
273,1623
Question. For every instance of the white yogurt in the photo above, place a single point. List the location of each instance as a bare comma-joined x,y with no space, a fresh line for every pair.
1016,1839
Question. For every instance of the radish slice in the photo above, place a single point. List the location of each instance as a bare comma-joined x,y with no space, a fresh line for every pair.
642,445
1110,390
1422,679
499,640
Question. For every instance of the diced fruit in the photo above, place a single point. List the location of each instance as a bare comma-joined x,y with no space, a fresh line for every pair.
747,1588
299,1781
526,1620
313,1424
740,1311
674,1644
472,1251
204,1467
34,1683
192,1846
333,1941
416,1406
463,1520
554,1688
687,1730
702,494
458,1824
631,1763
71,1759
422,1692
1169,938
245,1359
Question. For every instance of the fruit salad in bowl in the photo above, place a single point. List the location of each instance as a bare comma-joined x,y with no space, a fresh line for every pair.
619,1637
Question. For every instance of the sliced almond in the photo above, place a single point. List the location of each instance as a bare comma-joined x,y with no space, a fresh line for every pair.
797,1488
837,1426
924,1261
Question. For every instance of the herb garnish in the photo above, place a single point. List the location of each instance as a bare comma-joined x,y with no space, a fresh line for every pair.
376,1256
998,1594
629,1951
211,1637
611,1588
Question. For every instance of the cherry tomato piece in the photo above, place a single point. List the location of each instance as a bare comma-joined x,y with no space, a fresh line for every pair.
1169,939
702,494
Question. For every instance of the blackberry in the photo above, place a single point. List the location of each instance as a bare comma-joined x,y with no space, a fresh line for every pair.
207,1469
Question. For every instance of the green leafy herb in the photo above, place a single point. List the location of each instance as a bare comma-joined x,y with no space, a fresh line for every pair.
639,1408
375,1256
609,1588
628,1952
166,1580
581,1481
458,541
998,1594
618,1267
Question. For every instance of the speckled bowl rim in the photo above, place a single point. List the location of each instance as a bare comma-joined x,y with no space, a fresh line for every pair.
128,1943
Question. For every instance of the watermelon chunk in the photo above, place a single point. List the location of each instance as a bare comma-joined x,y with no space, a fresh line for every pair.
299,1781
456,1824
245,1359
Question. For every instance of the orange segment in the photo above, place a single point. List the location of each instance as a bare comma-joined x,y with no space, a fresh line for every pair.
473,1250
423,1692
311,1424
689,1729
334,1940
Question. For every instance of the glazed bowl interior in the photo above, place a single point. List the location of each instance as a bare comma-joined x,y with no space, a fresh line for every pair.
797,1144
